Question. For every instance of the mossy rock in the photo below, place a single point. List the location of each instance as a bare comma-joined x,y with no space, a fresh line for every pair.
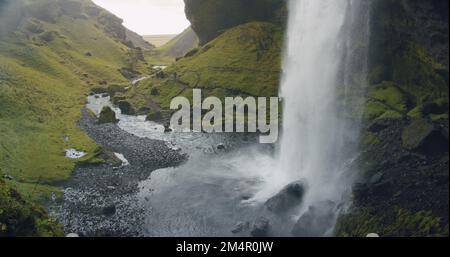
438,107
126,108
422,136
154,92
154,115
390,94
20,218
394,222
107,115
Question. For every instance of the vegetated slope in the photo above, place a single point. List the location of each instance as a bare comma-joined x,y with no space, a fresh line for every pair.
20,217
403,189
168,52
138,40
245,60
52,53
181,44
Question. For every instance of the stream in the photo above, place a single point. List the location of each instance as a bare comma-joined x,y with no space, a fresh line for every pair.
170,184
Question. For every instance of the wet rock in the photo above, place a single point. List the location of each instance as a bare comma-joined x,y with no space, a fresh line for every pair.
288,198
423,137
128,73
154,92
126,108
109,210
143,110
240,227
167,128
260,228
154,115
317,221
107,115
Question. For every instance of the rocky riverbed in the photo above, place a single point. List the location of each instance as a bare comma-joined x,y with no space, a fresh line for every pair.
100,200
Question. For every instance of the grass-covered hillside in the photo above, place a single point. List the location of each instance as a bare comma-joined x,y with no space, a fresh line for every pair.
244,60
209,18
52,53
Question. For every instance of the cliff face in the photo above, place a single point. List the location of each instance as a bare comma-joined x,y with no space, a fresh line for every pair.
404,183
209,18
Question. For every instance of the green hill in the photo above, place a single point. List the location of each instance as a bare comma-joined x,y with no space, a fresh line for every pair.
181,44
52,53
244,60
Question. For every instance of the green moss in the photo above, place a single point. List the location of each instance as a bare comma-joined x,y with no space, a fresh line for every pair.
395,222
373,110
391,115
414,134
389,94
20,217
370,139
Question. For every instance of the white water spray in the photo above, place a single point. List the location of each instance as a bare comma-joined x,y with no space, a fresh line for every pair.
318,143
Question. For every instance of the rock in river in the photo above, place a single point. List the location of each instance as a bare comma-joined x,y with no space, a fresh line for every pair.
288,198
107,115
260,228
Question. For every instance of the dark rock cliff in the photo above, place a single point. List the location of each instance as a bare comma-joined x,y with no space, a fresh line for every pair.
404,184
209,18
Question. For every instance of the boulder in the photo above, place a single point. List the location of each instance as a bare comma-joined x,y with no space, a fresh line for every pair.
167,128
154,115
424,137
126,108
317,221
260,227
288,198
109,210
160,75
128,73
107,115
154,92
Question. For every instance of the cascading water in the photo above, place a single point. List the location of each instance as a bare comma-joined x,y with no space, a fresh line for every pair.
226,190
324,55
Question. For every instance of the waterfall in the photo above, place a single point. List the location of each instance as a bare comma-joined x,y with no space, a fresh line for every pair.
323,68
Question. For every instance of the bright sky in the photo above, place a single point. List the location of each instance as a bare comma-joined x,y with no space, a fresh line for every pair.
149,17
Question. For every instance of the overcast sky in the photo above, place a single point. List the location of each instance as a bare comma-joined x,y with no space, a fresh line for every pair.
149,17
